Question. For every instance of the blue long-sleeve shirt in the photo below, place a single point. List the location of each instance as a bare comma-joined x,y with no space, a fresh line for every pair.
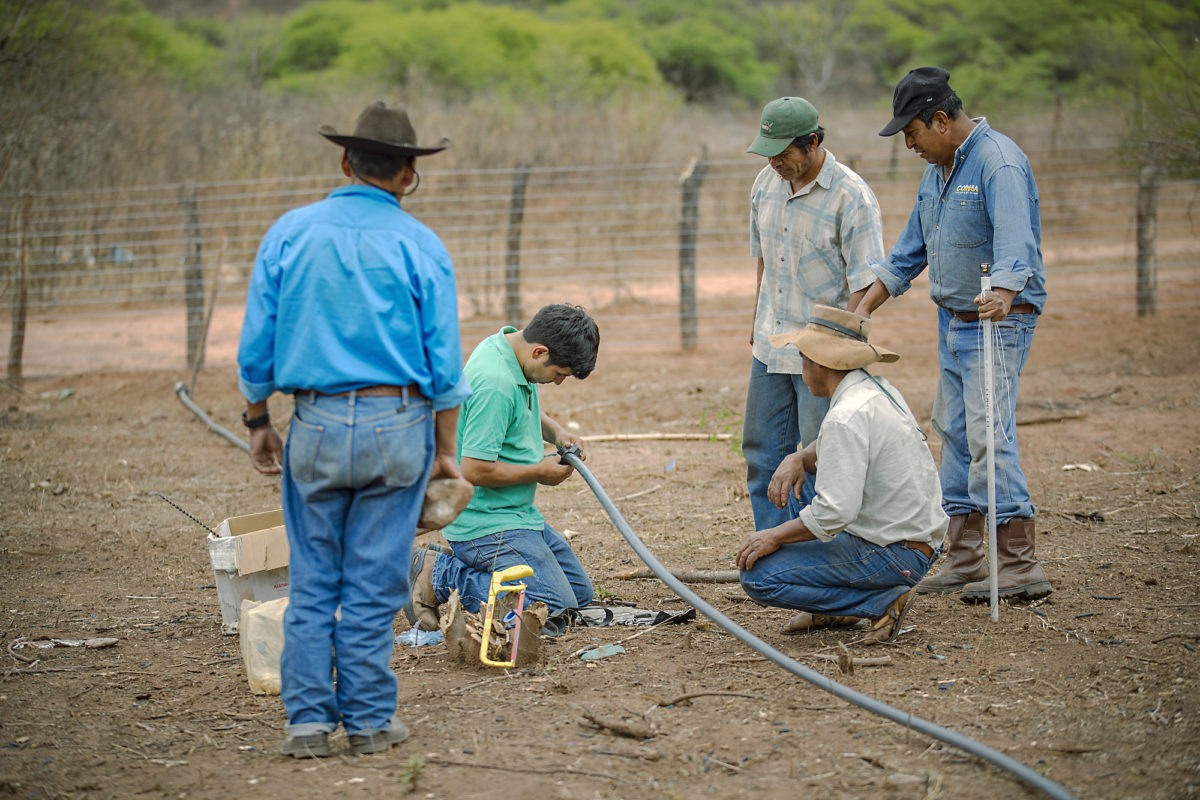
985,213
350,292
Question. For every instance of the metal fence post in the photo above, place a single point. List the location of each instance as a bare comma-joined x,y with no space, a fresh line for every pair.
689,219
512,262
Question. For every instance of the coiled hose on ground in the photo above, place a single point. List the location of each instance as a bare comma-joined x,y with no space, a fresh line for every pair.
1006,763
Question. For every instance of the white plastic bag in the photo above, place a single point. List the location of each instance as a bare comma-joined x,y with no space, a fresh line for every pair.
260,628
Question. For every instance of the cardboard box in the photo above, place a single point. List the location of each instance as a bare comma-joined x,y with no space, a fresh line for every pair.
249,558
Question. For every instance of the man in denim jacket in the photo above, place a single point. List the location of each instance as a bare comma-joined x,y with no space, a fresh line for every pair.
977,204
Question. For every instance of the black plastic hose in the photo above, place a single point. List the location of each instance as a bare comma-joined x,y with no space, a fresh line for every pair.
1011,765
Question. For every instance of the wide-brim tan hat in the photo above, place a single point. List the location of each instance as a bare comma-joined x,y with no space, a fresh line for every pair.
383,130
836,339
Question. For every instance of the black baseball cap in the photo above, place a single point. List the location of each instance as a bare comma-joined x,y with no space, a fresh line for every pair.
918,90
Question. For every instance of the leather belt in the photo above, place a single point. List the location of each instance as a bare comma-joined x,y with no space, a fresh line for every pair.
924,548
382,390
973,316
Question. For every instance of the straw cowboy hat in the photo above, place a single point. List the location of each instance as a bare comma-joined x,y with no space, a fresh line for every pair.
383,130
836,339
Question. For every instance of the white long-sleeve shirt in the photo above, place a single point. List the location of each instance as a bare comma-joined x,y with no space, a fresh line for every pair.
875,475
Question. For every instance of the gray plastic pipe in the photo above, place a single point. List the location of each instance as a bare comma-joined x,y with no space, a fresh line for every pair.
182,391
1010,765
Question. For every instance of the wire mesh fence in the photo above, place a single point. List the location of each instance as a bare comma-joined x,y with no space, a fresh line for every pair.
155,276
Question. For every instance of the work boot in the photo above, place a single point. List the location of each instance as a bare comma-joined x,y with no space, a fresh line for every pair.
1019,576
422,607
371,742
805,622
887,627
966,557
312,745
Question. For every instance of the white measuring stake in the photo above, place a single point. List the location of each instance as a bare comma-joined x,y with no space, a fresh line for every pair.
985,284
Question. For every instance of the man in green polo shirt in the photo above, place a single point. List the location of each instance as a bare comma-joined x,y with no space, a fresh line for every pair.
501,436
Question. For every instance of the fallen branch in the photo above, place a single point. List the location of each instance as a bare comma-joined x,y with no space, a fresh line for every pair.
657,437
858,661
630,730
687,576
1052,418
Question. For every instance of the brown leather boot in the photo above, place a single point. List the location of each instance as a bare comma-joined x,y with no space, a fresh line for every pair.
804,622
1018,574
966,557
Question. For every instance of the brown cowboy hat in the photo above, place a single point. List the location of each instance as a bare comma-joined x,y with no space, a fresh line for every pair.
836,339
383,130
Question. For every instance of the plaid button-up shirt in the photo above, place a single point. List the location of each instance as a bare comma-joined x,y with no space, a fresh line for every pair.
818,247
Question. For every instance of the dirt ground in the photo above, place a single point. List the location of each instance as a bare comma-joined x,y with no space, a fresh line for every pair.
1096,687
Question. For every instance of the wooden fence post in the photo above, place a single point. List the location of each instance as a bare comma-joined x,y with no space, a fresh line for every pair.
1147,230
193,272
16,342
691,179
512,261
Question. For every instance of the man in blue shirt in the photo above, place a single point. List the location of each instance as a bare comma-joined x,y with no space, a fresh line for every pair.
500,444
977,204
352,309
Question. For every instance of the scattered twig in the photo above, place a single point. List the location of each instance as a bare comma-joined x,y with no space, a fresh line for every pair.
683,698
506,676
584,649
870,661
630,730
641,493
512,768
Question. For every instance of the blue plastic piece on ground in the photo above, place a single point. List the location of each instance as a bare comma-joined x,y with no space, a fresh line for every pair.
603,651
415,637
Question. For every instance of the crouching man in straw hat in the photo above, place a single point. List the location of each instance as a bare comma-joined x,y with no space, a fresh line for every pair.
870,533
352,310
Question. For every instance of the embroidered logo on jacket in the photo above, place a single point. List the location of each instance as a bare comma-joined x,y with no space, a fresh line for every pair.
967,187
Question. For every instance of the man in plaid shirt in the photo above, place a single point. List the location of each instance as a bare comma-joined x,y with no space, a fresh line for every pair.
815,230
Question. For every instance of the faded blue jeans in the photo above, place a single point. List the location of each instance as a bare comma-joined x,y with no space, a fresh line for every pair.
960,414
354,477
846,576
780,413
558,579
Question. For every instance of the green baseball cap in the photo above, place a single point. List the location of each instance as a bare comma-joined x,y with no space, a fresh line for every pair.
782,121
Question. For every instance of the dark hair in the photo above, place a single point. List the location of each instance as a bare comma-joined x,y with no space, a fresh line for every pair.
951,106
569,334
802,141
366,164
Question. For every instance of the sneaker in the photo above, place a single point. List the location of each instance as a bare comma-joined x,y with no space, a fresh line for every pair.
312,745
422,606
365,744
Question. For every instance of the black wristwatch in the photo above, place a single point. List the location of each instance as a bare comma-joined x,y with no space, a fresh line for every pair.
255,422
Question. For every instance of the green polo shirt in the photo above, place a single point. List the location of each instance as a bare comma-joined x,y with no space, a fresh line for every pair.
500,421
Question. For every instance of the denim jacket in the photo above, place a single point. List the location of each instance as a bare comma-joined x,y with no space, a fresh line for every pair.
985,213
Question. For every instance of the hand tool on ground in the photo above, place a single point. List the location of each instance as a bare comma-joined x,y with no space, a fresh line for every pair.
497,588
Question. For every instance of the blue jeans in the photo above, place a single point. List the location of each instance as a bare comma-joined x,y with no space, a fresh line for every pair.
780,413
846,576
354,477
960,414
558,579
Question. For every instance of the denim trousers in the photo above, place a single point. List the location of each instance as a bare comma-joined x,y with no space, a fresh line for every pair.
846,576
558,579
354,477
960,414
780,413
